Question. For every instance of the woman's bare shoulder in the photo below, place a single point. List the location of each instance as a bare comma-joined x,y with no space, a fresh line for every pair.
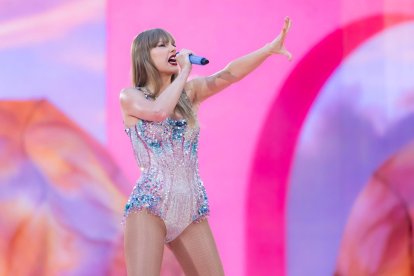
129,93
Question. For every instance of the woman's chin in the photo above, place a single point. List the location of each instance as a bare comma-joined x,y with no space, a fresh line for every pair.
171,70
175,70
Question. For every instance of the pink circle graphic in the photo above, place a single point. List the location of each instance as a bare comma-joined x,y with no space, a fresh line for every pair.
265,227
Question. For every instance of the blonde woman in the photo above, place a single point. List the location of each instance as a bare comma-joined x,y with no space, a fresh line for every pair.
169,204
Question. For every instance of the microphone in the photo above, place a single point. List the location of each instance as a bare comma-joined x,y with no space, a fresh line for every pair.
197,59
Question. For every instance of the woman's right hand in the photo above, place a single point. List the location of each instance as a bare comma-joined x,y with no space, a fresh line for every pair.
183,59
277,45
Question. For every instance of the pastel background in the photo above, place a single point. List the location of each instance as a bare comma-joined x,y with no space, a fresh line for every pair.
291,156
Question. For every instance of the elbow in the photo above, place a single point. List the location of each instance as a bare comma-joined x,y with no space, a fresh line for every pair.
160,115
229,75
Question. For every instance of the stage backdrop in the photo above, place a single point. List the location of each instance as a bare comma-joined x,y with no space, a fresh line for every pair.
308,164
285,152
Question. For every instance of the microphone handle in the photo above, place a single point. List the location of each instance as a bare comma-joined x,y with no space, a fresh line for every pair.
198,60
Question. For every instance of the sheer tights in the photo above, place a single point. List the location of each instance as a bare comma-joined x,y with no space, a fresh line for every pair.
194,249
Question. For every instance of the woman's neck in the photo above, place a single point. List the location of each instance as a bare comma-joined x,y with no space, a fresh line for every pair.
165,81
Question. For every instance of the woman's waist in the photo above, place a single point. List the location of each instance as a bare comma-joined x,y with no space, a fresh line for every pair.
152,164
170,171
169,180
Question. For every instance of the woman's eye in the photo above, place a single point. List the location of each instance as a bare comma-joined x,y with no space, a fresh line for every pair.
161,45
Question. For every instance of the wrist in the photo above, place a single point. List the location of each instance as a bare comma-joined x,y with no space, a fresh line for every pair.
186,69
267,49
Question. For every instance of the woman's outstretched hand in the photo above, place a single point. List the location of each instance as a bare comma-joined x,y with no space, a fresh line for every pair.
277,45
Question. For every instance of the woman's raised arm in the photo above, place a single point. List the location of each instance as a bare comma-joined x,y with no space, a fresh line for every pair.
204,87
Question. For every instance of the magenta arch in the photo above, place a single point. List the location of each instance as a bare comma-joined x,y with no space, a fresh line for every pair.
268,184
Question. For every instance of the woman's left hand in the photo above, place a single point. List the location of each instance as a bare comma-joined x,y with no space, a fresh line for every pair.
277,45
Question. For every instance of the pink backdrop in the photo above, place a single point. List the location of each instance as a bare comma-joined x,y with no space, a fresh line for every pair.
284,154
233,121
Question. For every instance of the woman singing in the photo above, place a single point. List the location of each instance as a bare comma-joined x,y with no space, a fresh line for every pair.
169,204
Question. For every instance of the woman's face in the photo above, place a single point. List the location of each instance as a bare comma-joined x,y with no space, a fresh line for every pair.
163,57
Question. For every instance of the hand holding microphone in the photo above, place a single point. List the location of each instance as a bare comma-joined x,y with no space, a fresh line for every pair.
183,59
197,59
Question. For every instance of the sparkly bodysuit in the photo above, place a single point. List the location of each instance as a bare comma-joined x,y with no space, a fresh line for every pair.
169,186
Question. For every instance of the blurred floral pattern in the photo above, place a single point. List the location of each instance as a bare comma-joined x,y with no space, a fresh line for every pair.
61,196
379,233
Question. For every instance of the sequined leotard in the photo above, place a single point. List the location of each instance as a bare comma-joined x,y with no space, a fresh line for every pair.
169,186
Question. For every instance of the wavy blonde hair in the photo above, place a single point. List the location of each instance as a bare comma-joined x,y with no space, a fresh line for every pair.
144,70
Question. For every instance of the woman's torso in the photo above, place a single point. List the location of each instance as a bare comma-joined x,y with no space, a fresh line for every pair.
169,184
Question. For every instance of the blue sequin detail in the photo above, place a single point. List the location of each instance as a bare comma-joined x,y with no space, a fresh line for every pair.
142,201
203,210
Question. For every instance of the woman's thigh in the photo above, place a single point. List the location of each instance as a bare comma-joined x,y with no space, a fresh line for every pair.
196,251
144,243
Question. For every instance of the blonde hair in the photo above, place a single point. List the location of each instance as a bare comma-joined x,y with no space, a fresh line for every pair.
144,70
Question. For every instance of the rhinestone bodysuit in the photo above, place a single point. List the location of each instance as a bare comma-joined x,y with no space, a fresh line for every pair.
169,186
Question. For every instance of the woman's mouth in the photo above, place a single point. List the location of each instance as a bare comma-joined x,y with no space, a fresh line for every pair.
172,60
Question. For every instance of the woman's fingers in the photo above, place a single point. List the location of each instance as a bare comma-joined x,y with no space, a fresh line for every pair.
184,52
182,57
286,53
285,29
286,25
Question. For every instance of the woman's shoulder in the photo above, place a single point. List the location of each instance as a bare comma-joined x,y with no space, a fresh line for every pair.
131,94
128,90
